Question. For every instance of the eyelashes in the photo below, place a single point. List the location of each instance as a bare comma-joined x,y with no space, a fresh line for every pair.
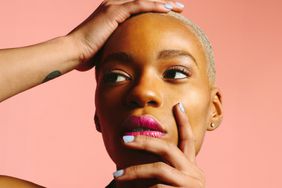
177,73
174,73
116,76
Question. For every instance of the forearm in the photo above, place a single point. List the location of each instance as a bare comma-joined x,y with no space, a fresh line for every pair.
10,182
24,68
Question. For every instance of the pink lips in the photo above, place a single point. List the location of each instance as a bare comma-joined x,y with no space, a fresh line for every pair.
142,125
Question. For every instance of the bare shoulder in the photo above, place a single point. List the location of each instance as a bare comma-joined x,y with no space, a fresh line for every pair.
11,182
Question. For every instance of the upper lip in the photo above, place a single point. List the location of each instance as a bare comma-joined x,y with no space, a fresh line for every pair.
144,121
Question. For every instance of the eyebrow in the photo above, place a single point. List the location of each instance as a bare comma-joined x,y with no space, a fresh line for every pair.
119,56
165,54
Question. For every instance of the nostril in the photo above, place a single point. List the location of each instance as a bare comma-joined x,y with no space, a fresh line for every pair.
135,104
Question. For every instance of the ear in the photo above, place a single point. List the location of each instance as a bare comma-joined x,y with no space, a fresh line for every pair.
97,123
216,113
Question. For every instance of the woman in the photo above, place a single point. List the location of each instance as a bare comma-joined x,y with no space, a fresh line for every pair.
143,89
155,99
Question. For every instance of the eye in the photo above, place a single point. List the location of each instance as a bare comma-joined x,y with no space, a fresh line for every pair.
116,76
176,73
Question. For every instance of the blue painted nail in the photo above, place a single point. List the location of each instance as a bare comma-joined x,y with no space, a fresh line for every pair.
180,5
181,107
128,138
168,6
118,173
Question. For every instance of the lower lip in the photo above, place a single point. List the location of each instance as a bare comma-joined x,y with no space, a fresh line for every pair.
155,134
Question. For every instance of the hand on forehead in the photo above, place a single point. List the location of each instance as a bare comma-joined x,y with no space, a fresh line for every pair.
144,37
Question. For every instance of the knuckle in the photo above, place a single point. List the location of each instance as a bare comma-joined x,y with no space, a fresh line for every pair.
167,149
161,166
155,3
139,3
110,8
167,1
133,171
145,143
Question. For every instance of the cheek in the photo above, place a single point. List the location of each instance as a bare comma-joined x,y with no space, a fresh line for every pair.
103,103
107,101
197,103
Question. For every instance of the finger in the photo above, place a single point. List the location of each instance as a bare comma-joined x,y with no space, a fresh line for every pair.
186,141
139,6
115,2
176,6
167,151
160,171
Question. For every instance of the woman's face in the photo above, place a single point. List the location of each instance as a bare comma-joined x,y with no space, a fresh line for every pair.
151,63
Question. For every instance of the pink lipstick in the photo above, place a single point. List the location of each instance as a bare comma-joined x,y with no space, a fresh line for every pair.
143,125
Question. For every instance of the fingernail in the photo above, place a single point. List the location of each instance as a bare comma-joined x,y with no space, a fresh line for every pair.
180,5
128,138
181,107
118,173
168,6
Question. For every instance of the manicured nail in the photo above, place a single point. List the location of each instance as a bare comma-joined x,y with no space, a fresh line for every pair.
128,138
181,107
180,5
168,6
118,173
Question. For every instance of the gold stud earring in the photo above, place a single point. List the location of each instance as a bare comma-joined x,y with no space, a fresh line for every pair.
212,125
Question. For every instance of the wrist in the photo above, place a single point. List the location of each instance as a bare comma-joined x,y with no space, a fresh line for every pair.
72,49
82,52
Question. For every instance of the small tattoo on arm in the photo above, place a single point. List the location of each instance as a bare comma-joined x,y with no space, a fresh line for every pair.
52,75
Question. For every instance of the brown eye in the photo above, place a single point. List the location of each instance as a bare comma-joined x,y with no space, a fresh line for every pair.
116,77
176,73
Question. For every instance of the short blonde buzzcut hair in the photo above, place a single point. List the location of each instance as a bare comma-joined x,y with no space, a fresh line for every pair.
203,40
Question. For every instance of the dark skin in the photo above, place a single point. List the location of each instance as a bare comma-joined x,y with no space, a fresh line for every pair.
149,65
26,67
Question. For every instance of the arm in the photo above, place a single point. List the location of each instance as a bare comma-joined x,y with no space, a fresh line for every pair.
10,182
24,68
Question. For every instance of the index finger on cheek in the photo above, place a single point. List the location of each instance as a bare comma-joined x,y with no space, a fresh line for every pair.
186,140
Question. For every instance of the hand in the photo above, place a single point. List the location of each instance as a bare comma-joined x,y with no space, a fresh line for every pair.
180,168
90,36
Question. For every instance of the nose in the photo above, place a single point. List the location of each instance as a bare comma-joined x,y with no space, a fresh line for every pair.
145,92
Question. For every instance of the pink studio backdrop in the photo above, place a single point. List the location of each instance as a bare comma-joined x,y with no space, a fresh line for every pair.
47,134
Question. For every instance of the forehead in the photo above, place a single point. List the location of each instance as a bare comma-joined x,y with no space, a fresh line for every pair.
144,36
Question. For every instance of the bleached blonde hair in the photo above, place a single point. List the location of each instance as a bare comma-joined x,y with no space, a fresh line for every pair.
203,40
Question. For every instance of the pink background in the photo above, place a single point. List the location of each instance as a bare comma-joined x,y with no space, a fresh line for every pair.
47,134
